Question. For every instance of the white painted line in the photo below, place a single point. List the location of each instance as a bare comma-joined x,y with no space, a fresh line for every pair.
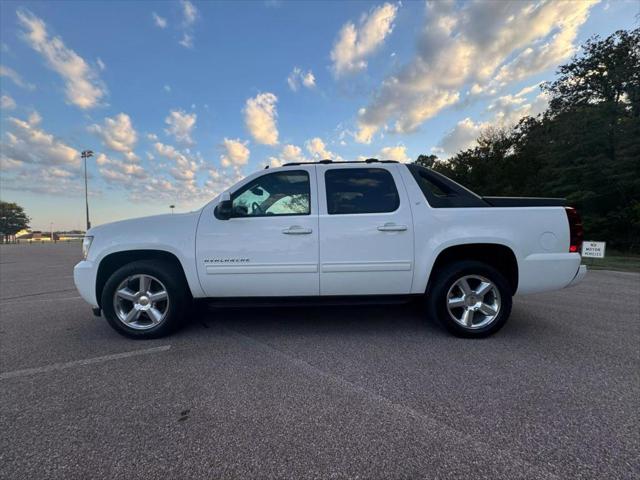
80,363
26,300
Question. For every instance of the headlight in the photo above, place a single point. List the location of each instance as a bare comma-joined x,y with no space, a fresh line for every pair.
86,245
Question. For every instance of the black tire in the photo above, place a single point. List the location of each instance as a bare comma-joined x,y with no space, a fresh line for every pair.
444,279
175,285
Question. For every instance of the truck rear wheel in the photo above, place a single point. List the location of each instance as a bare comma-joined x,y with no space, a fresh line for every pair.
145,299
470,298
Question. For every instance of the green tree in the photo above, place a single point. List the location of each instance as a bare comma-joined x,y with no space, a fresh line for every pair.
427,161
592,136
12,219
606,73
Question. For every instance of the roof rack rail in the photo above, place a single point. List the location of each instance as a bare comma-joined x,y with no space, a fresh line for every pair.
327,162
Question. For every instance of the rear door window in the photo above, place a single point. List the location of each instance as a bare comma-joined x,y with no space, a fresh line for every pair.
360,190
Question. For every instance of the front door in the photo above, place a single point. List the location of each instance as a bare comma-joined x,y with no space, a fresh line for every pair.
366,230
269,247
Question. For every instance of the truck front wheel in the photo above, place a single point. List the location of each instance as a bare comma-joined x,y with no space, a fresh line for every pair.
145,299
470,298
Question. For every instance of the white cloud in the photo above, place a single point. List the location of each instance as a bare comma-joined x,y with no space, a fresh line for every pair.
27,143
34,119
318,149
118,134
558,47
181,125
189,12
292,79
101,65
55,181
7,164
397,153
167,88
509,109
292,153
185,165
219,181
274,162
60,173
355,44
309,79
461,137
480,45
182,180
260,118
187,40
118,171
159,21
82,85
297,77
15,78
370,121
289,154
7,103
528,90
506,111
236,152
189,16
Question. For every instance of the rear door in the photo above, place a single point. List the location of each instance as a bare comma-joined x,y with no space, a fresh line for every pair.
366,230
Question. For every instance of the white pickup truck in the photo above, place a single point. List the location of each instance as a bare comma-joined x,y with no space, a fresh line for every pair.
334,231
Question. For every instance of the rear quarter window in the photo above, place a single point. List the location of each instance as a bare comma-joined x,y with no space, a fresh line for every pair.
442,192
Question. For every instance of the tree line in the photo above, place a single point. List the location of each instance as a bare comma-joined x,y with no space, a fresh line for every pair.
585,147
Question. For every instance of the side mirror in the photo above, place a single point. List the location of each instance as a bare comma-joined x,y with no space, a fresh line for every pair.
224,208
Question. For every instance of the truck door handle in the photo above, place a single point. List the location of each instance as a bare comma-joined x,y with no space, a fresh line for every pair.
296,230
392,227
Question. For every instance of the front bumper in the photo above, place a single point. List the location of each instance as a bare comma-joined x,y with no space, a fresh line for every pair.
84,276
580,274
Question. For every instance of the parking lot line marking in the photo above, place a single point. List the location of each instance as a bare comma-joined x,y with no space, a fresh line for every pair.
80,363
39,293
13,302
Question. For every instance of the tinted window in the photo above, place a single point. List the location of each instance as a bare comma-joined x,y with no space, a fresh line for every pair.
442,192
360,190
278,193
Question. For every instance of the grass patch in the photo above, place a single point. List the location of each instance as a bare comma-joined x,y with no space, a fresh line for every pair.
614,260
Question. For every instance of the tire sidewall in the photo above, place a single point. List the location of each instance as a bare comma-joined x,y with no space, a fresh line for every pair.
170,278
437,297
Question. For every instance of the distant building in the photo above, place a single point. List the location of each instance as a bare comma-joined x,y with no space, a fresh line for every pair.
39,236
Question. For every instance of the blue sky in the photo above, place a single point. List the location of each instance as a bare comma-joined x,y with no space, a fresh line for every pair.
179,99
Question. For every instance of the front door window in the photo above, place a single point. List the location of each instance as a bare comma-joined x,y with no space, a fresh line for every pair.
278,193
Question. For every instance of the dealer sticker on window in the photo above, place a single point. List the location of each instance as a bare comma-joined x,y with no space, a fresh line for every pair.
593,249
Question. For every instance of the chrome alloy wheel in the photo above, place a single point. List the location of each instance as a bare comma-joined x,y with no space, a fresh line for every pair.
473,301
141,302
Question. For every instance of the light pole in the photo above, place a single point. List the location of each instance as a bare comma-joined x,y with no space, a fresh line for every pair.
86,154
172,207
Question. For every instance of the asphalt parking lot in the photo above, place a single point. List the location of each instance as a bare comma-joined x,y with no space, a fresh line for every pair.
357,392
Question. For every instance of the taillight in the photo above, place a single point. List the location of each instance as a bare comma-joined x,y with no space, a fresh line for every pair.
576,230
